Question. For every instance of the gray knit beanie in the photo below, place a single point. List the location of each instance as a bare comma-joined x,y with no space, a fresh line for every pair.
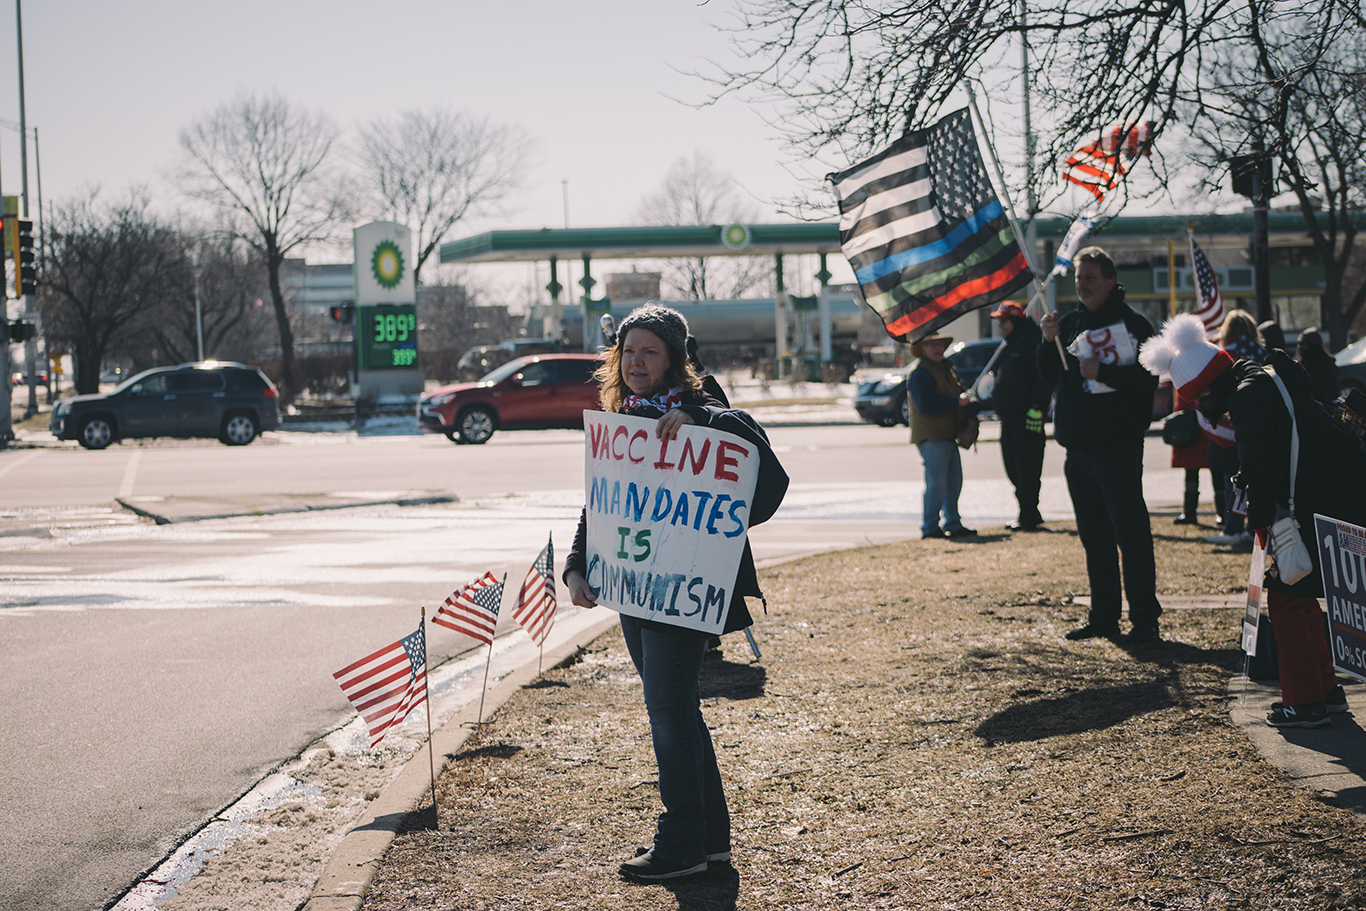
664,322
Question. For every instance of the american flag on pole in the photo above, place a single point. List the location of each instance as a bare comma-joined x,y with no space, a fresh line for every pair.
924,231
535,606
474,609
386,686
1210,307
1096,167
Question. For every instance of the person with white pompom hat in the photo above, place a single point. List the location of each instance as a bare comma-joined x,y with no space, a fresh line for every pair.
1330,479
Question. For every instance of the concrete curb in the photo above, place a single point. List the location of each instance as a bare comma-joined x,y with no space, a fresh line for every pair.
352,867
226,509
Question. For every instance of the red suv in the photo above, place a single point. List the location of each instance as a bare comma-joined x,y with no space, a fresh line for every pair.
547,390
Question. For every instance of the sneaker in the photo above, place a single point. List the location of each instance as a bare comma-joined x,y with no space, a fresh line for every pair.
717,857
1094,631
1335,702
1243,539
1310,715
646,868
1145,633
960,532
932,533
1024,526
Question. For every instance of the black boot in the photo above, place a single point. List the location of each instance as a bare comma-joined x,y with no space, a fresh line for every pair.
1190,508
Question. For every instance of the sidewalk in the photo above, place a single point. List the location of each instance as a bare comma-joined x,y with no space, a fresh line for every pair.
917,734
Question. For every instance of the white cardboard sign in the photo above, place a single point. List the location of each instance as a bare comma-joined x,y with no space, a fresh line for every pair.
667,522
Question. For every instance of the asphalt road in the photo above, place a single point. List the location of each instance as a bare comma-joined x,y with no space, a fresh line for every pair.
152,674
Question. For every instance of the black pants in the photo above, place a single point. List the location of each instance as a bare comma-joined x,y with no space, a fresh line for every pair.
1106,485
1022,453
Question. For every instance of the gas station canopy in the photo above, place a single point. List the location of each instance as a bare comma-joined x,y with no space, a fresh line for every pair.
643,242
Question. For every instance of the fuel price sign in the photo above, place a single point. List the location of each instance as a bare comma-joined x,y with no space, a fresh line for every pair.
386,337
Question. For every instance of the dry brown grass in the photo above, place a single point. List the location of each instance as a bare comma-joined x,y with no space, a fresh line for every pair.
918,735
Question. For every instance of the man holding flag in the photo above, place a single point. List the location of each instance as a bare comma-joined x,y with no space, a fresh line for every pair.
1103,410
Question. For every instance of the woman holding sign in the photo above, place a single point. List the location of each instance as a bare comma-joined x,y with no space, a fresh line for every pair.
647,373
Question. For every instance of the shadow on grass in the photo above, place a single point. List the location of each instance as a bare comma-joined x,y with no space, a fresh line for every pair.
492,751
722,678
1086,710
716,890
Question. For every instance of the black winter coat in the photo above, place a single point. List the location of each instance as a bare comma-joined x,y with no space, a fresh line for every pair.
707,411
1331,476
1083,420
1018,384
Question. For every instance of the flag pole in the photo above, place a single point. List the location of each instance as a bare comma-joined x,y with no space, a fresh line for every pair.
427,698
479,725
1009,207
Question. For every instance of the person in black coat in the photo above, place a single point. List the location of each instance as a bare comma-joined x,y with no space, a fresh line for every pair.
1104,406
1330,479
646,373
1322,369
1020,400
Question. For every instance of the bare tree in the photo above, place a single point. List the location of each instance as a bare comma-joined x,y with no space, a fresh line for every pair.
267,165
696,192
1297,98
106,269
851,75
227,278
429,170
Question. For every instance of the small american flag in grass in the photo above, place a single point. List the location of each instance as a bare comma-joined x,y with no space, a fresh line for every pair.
535,607
385,686
474,609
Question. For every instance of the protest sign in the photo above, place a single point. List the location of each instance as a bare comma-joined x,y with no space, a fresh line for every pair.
667,521
1342,557
1252,614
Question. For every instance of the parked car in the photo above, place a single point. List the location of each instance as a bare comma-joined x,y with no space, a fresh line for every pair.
229,401
884,400
478,361
540,391
1351,363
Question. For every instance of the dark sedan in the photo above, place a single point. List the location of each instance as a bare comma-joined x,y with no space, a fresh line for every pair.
549,390
884,401
229,401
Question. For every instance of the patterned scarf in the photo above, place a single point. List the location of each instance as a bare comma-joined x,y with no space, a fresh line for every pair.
663,402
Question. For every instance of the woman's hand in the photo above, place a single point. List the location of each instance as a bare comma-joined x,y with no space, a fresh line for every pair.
667,428
579,591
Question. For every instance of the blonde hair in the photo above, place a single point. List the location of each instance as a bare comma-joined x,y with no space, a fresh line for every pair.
612,389
1238,324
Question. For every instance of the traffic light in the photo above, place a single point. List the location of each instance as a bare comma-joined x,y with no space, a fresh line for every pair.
343,313
25,270
20,331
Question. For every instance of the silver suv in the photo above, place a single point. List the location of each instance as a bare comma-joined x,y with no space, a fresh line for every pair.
219,399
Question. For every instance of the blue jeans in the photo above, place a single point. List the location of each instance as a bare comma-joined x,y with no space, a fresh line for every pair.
695,821
943,484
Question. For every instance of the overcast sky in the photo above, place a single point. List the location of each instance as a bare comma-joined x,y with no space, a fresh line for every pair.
109,85
603,87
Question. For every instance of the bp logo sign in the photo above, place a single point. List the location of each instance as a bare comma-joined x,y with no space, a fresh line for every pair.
735,236
386,263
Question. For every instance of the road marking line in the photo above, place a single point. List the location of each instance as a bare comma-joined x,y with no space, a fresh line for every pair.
129,473
17,462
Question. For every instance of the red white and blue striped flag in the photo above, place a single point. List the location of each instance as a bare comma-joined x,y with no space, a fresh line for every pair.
1210,304
1096,166
535,606
474,609
924,231
386,686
